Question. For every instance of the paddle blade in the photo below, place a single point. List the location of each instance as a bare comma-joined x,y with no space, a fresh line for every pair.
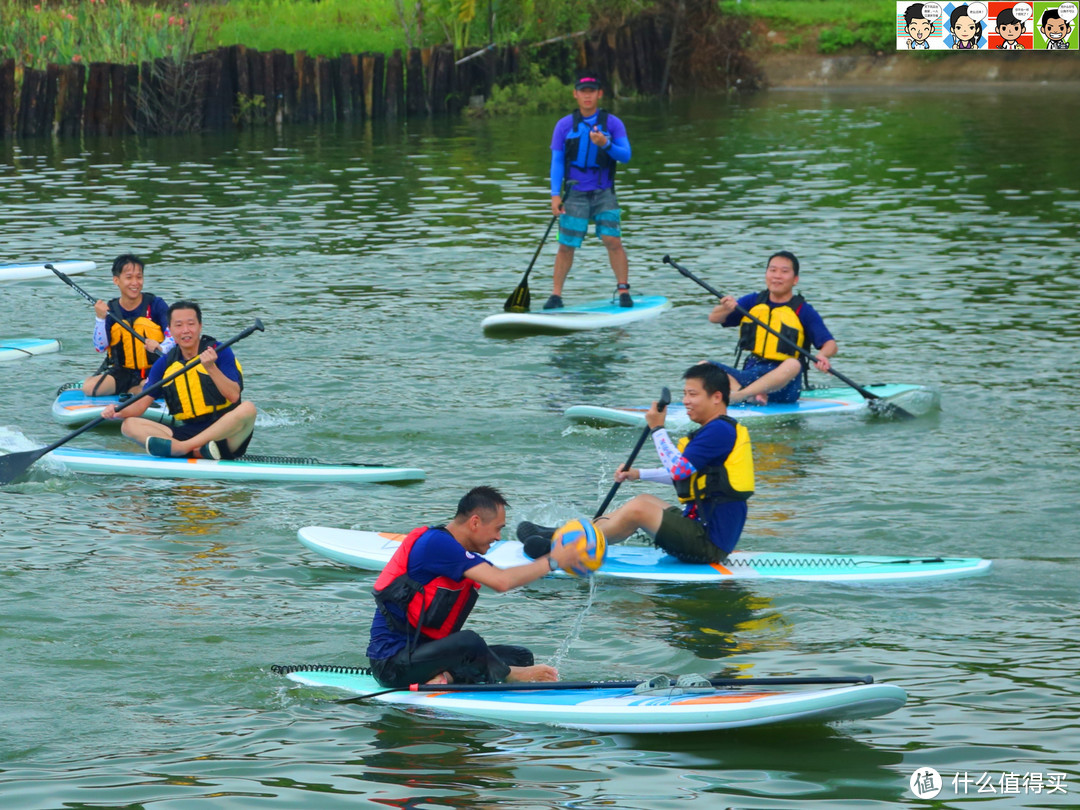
519,299
15,464
882,407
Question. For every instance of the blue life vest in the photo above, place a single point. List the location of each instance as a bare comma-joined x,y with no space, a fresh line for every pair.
579,150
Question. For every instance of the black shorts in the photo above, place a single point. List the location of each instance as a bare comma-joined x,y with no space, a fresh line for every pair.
686,539
464,654
125,378
182,431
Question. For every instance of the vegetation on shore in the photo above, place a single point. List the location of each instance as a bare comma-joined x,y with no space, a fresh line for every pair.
818,26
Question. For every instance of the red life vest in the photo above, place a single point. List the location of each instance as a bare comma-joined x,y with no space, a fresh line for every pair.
436,609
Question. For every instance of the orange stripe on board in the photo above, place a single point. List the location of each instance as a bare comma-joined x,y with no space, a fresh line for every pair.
397,538
724,699
722,569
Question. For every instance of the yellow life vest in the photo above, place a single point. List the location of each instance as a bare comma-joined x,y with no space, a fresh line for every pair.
731,481
193,394
782,318
127,352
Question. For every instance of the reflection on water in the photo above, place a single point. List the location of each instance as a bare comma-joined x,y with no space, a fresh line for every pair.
937,236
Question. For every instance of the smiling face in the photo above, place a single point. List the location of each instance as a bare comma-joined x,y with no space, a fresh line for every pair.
919,29
780,278
483,529
186,330
964,29
701,406
130,283
1056,29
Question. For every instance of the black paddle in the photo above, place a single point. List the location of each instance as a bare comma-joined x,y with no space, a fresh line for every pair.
878,404
123,324
662,403
15,464
563,685
520,299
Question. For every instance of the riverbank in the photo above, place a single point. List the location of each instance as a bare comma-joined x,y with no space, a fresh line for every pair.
783,70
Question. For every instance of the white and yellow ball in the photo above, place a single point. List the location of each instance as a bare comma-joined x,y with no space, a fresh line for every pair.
588,540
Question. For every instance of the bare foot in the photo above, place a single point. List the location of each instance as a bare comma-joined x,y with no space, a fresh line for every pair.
442,678
533,674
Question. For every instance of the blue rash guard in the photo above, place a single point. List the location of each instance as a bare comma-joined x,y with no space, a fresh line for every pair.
592,178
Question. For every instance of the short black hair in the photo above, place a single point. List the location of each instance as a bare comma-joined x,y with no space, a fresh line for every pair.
183,304
713,379
1006,17
914,12
785,254
480,499
1050,14
123,261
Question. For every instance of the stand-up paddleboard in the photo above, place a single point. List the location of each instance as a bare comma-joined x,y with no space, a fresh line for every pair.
593,315
22,348
617,709
73,408
20,272
813,402
249,468
372,550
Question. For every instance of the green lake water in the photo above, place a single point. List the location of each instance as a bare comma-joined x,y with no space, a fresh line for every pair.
938,237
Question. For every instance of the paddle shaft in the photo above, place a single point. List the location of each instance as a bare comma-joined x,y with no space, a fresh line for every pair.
555,686
865,394
661,404
520,298
13,464
123,324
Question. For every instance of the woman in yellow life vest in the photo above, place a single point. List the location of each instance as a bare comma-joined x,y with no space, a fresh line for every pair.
214,421
130,359
773,368
713,474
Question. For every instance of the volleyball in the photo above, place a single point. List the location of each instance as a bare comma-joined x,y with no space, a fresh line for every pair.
590,544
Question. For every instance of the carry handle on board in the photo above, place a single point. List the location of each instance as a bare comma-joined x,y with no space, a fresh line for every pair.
120,321
661,404
15,464
876,403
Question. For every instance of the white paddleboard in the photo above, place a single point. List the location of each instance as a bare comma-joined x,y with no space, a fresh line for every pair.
110,462
22,348
20,272
73,408
591,315
372,550
617,709
813,402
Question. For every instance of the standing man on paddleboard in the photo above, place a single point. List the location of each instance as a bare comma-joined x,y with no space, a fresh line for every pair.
585,148
129,358
426,591
212,421
773,371
712,470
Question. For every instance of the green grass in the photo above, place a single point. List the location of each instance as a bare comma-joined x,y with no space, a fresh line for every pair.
862,25
326,28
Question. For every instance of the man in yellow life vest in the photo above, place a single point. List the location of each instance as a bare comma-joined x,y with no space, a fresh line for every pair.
773,368
213,421
713,474
129,358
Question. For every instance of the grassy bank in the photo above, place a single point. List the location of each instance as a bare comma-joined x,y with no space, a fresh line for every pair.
818,26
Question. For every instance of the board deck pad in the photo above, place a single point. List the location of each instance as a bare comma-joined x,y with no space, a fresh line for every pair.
73,408
21,272
591,315
621,710
24,348
111,462
372,550
813,402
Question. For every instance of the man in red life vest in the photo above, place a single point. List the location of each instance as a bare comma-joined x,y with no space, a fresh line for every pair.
426,591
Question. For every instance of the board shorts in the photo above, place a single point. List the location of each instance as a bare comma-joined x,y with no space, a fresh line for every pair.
686,539
125,378
755,370
182,431
582,207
